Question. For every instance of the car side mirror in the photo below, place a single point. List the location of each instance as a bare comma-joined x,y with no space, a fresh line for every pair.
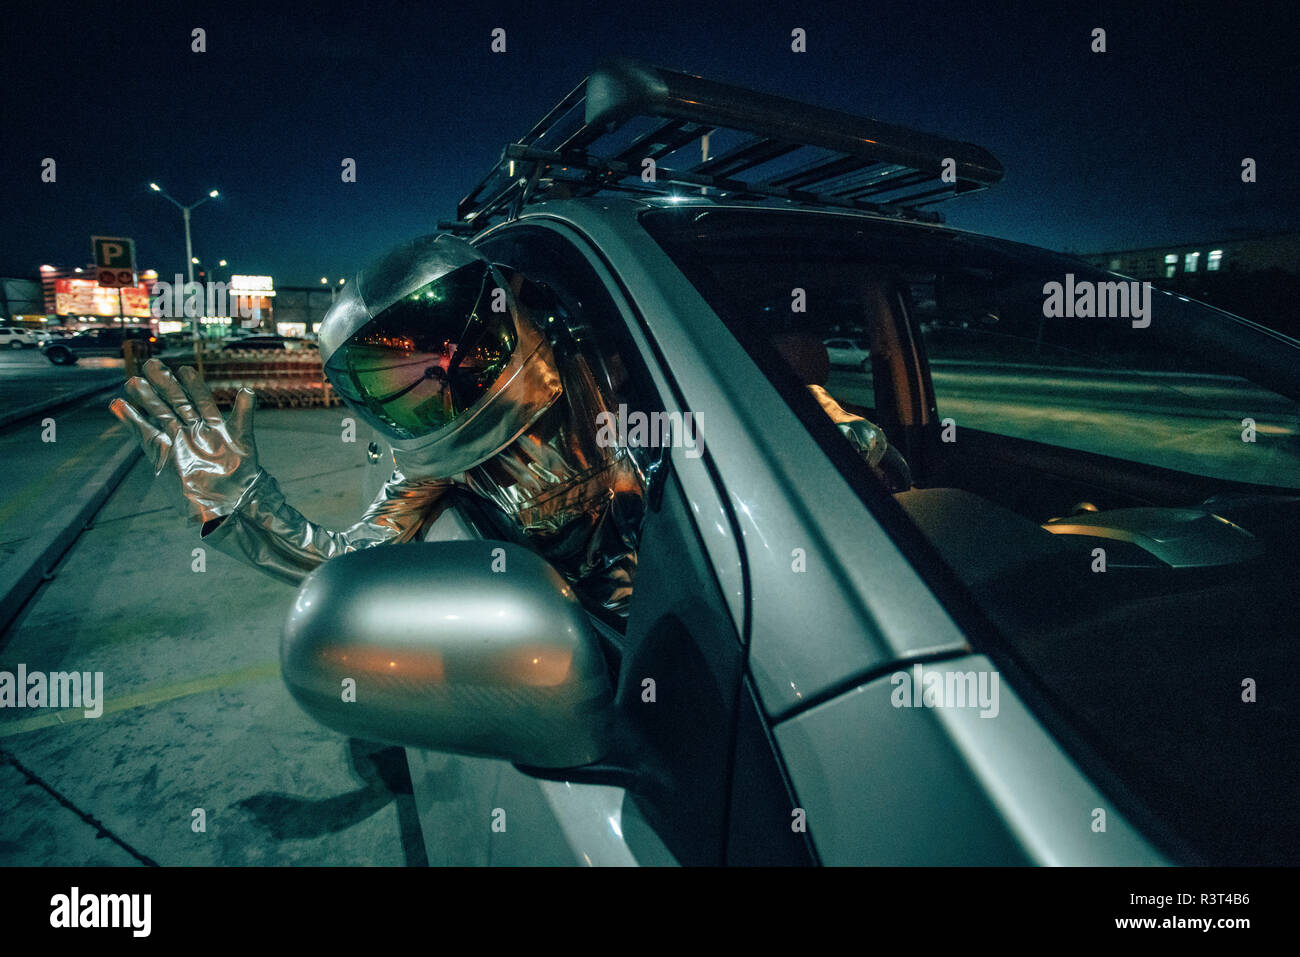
474,647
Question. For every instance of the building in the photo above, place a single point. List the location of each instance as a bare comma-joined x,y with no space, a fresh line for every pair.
1256,277
300,309
1277,251
22,301
72,295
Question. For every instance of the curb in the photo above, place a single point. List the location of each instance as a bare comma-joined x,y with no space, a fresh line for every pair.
29,566
49,405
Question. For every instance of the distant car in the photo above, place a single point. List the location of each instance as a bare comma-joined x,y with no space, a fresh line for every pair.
844,351
15,337
97,342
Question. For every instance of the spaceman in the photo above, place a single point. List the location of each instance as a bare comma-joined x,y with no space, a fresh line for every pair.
477,379
473,375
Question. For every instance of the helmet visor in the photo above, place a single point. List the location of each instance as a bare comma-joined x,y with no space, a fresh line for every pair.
429,357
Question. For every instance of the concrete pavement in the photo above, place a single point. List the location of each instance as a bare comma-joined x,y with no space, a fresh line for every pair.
195,715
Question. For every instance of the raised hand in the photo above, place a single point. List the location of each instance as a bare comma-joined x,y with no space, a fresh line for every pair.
215,457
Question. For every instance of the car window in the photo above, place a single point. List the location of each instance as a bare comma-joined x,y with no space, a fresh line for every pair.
1106,504
999,365
594,321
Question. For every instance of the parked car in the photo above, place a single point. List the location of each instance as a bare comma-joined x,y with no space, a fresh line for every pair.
849,352
16,337
1041,649
109,341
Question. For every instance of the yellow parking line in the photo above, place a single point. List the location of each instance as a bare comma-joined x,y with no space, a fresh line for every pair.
150,696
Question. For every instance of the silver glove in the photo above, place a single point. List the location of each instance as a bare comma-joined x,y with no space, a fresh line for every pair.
870,442
215,457
268,533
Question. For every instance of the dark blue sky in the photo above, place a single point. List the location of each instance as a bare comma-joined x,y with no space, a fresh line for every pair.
1138,146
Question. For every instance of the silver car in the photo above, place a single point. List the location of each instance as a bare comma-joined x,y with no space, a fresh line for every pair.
16,337
1044,647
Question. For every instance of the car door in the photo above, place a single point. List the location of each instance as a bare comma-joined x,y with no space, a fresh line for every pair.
847,598
107,342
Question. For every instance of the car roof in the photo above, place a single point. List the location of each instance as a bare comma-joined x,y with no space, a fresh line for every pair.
620,213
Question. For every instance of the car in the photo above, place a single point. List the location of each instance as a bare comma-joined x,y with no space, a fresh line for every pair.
17,337
1043,646
108,341
852,352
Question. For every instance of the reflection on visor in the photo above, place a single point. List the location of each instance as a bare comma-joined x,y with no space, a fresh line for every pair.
427,358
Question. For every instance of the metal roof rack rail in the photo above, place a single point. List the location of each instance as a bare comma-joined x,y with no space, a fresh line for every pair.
600,136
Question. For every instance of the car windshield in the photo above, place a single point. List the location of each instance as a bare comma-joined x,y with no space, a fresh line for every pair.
1108,471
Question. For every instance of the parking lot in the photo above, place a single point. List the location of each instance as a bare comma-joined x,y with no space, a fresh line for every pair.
196,723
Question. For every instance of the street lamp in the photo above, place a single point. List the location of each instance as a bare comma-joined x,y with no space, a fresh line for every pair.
189,250
185,215
334,291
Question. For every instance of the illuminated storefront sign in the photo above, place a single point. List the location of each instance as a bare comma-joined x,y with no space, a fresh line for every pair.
85,297
251,286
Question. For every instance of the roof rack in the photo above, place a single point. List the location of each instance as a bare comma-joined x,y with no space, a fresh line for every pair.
599,137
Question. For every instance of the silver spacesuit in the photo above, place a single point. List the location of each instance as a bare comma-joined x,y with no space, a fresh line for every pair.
465,369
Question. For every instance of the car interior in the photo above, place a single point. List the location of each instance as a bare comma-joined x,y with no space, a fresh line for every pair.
1138,604
1193,597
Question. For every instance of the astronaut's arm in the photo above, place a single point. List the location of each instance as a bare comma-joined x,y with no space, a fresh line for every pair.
268,533
869,440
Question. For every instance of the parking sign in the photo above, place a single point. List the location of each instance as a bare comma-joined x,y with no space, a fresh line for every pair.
114,260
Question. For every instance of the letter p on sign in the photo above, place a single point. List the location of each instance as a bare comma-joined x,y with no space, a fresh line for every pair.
114,260
113,252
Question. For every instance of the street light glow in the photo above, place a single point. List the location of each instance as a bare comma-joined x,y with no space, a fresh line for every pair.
213,194
195,260
323,280
155,187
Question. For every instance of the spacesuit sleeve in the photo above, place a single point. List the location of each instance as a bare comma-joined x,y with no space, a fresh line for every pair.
266,532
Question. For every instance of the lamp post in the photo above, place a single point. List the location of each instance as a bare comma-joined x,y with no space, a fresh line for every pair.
334,290
190,261
334,294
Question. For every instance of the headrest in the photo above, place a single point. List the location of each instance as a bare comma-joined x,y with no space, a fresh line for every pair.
805,354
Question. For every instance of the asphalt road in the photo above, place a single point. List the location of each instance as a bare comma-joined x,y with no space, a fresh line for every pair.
1188,422
26,377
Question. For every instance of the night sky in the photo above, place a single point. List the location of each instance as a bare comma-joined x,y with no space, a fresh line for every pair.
1138,146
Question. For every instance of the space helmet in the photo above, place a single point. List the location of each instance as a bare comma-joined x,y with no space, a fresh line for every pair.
432,347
